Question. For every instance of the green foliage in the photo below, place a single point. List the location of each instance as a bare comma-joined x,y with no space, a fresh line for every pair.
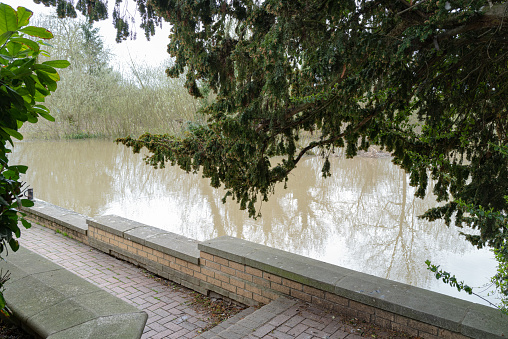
500,280
448,278
23,82
425,80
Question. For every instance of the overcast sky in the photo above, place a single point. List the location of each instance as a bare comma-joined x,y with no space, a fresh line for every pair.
151,52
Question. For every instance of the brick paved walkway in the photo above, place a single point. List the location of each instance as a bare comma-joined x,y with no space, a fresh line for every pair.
169,315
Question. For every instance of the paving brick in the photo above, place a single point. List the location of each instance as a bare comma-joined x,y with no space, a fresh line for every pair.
313,291
263,330
299,328
280,335
280,319
170,316
336,299
260,299
295,320
237,282
211,264
274,278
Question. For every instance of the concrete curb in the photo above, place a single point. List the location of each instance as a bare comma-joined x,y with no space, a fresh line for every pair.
51,302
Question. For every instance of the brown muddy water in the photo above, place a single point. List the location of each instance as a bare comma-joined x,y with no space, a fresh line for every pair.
364,217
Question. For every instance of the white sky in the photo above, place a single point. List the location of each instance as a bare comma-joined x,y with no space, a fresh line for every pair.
143,52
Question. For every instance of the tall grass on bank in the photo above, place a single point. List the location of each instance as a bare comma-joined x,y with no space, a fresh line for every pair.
93,100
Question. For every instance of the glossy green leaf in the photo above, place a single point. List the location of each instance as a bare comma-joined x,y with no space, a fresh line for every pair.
30,85
8,19
46,80
2,302
24,16
4,36
13,133
17,99
27,203
26,224
14,48
38,32
14,243
19,168
32,118
27,42
41,93
44,67
57,63
44,112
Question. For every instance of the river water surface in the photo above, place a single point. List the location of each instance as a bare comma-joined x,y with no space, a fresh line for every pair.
364,217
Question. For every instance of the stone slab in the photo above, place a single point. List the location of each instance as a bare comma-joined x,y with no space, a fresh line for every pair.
52,301
481,325
412,302
61,316
114,224
118,326
27,297
21,262
140,234
59,215
65,282
229,248
103,305
300,269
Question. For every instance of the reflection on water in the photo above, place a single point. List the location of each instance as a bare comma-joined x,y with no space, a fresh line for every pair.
364,217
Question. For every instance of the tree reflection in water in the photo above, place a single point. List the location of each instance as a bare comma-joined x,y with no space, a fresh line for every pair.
364,217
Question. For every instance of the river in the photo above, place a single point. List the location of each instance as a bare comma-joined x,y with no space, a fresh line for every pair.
364,217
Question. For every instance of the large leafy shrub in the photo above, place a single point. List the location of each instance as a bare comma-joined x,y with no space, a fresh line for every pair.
24,83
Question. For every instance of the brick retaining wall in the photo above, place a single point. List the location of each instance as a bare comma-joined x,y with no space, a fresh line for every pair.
256,274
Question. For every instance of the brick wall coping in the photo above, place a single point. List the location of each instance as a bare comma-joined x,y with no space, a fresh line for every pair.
66,218
429,307
52,302
169,243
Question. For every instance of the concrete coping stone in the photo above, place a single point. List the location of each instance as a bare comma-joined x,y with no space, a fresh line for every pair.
55,303
166,242
59,215
429,307
114,224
